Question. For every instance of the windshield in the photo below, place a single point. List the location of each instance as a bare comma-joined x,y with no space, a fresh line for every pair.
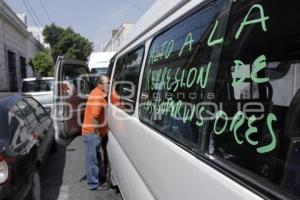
37,86
101,70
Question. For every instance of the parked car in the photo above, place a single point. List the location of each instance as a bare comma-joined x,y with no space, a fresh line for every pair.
26,138
39,88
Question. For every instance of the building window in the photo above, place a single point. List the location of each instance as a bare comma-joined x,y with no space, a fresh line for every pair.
12,68
23,67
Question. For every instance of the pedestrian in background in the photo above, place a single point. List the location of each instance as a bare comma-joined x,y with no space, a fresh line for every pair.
95,128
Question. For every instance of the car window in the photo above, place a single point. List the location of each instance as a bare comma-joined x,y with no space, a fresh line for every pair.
36,108
37,86
18,129
256,127
27,113
100,70
126,79
179,69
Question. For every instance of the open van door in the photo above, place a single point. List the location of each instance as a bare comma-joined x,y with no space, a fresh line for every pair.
72,87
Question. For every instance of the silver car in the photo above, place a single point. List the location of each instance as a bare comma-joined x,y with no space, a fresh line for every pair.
40,89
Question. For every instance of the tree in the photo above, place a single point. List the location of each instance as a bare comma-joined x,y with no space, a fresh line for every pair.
42,63
67,43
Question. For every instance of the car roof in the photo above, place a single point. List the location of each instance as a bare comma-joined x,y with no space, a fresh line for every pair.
38,78
9,98
7,94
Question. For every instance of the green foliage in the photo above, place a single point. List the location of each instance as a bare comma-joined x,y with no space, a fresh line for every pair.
67,43
42,63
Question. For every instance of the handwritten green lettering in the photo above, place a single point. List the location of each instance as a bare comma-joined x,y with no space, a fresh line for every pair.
237,122
251,130
182,83
188,113
217,41
200,121
169,49
270,119
193,74
259,64
261,20
188,42
202,80
219,115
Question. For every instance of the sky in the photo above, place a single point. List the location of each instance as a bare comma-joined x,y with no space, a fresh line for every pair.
93,19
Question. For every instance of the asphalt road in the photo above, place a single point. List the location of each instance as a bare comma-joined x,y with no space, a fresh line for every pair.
63,176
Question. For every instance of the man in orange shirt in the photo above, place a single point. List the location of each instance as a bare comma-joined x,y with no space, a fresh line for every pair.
93,130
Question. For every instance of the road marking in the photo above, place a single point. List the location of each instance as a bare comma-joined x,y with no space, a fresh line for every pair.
64,192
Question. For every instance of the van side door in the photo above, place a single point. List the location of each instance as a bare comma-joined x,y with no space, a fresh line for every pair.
72,87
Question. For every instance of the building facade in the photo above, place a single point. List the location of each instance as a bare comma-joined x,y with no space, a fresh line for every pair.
17,46
118,36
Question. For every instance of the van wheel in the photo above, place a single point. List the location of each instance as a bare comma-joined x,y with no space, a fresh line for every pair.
35,193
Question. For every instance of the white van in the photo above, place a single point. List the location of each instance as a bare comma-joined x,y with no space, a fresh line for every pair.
205,102
39,88
99,61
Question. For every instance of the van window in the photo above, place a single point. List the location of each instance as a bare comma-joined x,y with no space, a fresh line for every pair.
110,67
76,79
179,68
126,79
257,124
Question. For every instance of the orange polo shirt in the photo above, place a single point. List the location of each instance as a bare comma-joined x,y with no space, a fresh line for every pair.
95,108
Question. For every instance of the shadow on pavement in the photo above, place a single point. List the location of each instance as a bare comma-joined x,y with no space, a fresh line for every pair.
52,174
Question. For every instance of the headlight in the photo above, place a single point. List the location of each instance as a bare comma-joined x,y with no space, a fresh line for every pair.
3,171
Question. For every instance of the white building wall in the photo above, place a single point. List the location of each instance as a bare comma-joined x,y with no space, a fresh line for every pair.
3,72
15,38
114,44
16,42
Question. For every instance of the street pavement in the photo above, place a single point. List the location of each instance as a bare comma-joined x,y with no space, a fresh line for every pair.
63,176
